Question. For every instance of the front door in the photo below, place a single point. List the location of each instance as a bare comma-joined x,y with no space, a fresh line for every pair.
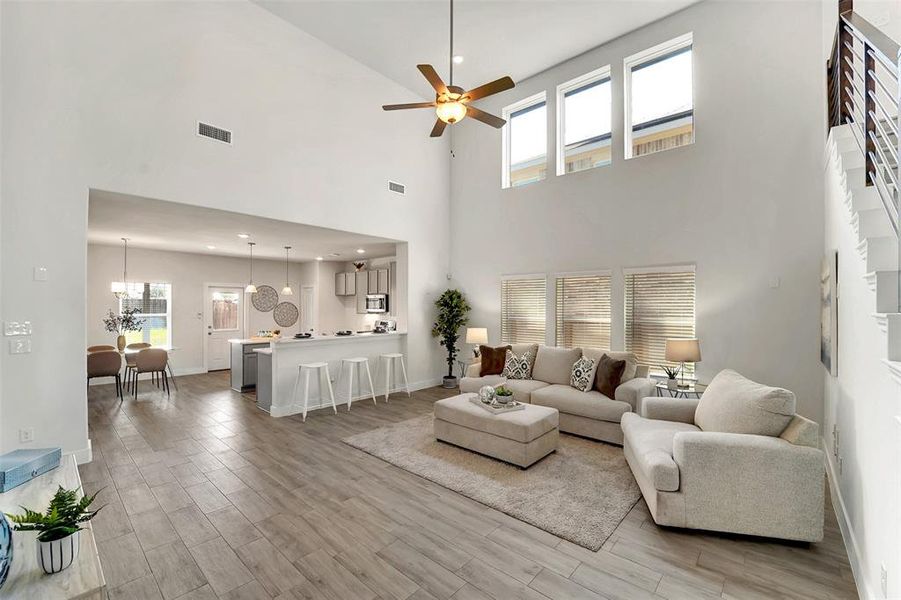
224,321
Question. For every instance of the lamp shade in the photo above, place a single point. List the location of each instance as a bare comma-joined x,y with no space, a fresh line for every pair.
683,351
476,335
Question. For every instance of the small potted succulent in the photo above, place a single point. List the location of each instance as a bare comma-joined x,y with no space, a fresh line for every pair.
59,527
503,395
671,373
126,321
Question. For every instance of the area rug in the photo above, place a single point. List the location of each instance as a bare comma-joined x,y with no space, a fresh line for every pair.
580,493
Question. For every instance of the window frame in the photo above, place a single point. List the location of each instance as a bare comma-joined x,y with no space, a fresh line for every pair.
527,277
168,314
575,274
506,114
589,78
659,51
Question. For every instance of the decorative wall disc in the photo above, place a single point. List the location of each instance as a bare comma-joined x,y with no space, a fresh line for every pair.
265,298
286,314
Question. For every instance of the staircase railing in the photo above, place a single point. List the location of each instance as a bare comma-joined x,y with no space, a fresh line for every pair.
864,91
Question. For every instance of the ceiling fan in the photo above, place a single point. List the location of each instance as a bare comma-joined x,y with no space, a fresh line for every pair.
452,102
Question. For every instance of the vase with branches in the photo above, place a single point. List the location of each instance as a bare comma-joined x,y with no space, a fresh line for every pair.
453,313
120,323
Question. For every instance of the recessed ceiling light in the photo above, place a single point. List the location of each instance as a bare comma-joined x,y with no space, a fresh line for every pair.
211,247
318,258
335,254
458,59
243,236
360,251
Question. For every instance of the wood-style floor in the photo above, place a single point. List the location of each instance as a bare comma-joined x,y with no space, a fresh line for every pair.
207,496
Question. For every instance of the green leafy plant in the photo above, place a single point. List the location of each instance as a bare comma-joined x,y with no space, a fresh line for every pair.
127,321
453,313
503,391
671,372
62,517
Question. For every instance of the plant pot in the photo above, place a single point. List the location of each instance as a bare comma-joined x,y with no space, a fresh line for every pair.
55,556
120,343
6,548
672,384
504,399
450,382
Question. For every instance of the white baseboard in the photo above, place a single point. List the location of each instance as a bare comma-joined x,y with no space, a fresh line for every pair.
864,589
297,408
85,455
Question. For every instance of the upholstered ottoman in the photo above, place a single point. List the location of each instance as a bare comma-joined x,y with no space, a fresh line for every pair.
521,437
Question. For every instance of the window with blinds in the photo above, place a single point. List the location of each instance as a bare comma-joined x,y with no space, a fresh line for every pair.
153,300
523,310
583,311
659,306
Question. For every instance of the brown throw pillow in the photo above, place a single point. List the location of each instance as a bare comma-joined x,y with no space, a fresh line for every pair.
608,375
492,360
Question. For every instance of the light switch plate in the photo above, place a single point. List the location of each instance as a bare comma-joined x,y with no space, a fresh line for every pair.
17,328
20,346
40,273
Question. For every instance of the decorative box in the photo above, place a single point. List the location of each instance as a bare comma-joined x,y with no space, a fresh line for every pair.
20,466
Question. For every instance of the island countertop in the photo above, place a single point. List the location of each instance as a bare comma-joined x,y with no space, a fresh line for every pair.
274,342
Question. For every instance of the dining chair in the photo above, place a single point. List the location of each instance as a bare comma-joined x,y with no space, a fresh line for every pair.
101,348
153,361
130,358
105,363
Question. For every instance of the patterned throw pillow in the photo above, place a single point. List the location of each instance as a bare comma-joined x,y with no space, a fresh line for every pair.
518,367
583,374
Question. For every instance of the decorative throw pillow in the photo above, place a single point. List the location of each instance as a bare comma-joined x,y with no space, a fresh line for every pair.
492,360
609,375
518,367
583,374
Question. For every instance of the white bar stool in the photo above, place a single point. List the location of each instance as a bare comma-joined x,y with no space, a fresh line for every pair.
354,363
304,369
388,360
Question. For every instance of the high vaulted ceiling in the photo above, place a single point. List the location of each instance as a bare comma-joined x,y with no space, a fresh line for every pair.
508,37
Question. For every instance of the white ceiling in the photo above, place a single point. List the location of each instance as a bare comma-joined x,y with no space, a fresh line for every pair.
161,225
495,37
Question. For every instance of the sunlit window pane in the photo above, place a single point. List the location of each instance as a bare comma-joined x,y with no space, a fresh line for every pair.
661,103
586,126
528,144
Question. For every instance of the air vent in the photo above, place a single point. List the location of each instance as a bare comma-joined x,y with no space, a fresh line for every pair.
397,188
214,133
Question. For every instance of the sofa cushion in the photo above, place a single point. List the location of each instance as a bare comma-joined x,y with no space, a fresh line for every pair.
492,360
520,349
518,425
735,404
555,365
582,377
518,366
474,384
523,388
592,405
630,358
608,375
651,443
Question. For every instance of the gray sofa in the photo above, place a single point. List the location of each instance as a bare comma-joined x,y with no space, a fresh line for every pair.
737,460
589,414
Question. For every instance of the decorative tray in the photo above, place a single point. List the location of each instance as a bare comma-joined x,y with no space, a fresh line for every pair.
496,408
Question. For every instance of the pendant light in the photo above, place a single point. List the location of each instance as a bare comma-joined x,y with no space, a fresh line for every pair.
287,291
251,288
120,288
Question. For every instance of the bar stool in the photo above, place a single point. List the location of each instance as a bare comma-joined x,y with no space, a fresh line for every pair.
390,368
354,363
304,369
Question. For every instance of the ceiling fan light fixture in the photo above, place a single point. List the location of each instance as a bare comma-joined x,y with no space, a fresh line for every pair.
451,111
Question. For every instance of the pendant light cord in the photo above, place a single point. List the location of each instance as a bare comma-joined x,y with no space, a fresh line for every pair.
287,248
251,260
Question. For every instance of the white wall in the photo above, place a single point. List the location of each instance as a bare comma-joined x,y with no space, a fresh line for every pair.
106,95
187,273
863,402
743,202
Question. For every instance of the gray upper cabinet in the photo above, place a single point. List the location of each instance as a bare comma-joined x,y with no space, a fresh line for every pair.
382,281
345,284
362,287
373,282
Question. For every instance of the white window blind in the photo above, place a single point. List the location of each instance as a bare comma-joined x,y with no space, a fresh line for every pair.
583,311
659,306
523,310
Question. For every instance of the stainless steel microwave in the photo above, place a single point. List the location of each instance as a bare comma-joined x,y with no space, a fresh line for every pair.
376,303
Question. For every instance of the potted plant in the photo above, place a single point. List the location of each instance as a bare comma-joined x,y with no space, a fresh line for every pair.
127,321
671,373
503,395
59,526
453,313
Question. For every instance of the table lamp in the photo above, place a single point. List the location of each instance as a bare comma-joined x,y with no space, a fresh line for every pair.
683,351
476,336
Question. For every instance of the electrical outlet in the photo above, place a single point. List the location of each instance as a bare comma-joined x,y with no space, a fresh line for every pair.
20,346
883,579
26,435
40,273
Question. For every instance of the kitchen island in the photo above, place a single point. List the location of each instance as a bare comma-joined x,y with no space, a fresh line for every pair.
277,368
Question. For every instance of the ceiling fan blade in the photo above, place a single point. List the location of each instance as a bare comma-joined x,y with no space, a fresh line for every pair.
478,115
406,106
498,85
438,129
429,73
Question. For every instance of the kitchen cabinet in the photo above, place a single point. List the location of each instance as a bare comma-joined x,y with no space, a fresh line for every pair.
373,282
345,284
244,364
382,286
362,283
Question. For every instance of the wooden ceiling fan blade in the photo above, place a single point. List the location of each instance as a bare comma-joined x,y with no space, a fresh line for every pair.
438,129
406,106
428,71
489,119
498,85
